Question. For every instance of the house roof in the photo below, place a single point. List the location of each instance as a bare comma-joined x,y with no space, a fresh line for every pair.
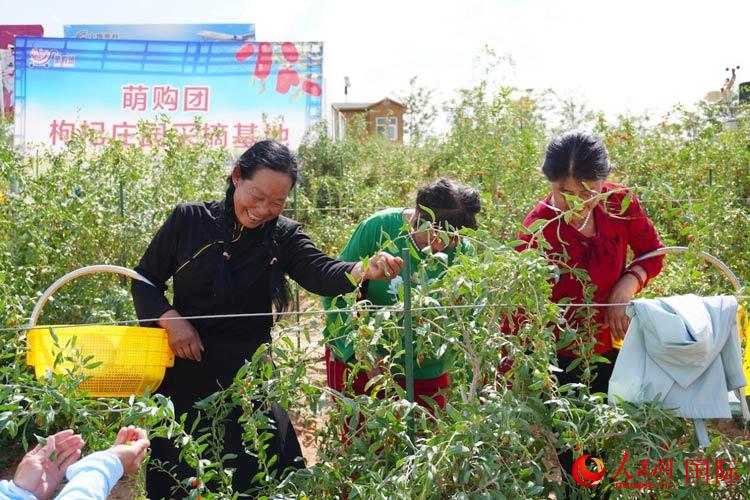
351,105
354,106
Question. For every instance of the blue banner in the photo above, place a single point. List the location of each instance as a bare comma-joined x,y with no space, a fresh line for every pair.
176,32
240,91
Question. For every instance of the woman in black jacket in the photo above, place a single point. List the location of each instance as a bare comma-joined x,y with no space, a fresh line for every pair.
226,258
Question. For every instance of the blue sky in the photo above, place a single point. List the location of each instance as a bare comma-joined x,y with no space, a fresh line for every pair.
616,56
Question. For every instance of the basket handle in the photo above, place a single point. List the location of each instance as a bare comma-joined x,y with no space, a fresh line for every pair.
102,268
703,255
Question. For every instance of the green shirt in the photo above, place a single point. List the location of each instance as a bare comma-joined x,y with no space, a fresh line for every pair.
368,239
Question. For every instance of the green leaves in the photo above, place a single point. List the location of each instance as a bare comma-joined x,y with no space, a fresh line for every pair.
691,178
626,202
535,226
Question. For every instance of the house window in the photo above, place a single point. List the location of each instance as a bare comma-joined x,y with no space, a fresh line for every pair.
387,127
380,125
393,128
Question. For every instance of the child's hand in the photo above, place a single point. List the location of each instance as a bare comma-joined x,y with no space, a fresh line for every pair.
131,447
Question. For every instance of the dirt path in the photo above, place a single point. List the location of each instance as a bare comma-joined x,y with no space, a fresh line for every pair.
308,425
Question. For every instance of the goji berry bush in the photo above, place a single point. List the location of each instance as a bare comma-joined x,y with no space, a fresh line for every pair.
500,434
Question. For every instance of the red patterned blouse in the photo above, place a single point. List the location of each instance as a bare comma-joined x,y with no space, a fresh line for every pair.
602,255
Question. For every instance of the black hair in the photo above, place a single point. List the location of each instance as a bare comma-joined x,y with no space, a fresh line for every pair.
277,157
576,154
451,203
263,154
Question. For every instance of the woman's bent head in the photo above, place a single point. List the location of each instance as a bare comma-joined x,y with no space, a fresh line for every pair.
453,206
576,164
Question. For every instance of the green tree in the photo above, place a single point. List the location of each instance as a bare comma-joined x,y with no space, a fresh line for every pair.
421,111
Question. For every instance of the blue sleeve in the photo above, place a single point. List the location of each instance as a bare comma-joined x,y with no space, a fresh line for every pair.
92,477
9,491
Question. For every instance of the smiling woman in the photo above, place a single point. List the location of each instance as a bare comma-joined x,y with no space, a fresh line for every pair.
261,182
231,257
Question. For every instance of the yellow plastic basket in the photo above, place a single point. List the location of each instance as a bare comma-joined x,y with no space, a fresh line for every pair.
125,360
743,322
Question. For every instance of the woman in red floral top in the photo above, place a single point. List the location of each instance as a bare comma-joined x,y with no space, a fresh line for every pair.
607,220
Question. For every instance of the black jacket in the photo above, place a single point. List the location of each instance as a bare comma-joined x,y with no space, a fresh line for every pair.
189,248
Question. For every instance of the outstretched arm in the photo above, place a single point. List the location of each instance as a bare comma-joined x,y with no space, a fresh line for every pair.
94,476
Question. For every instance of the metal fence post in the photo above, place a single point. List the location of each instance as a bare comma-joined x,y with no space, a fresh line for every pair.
408,338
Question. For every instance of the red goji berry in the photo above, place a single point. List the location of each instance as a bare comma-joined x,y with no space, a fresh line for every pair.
286,79
264,62
245,52
312,88
289,51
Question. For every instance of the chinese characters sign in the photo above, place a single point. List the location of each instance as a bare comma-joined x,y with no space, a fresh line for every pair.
151,134
110,86
135,97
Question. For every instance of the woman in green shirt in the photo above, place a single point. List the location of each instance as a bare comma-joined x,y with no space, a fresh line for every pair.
452,205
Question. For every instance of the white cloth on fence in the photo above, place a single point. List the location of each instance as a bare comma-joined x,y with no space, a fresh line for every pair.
683,351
